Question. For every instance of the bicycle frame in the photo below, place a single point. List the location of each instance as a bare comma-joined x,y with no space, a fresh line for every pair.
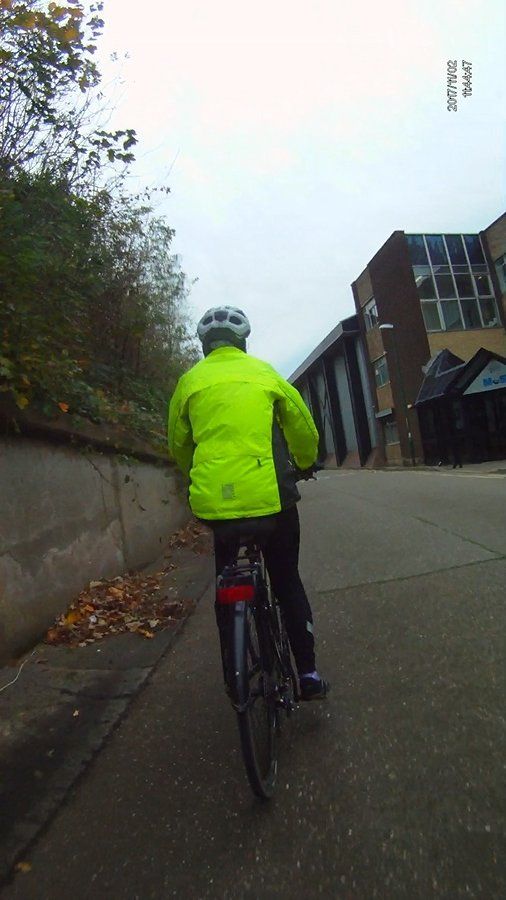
256,662
241,584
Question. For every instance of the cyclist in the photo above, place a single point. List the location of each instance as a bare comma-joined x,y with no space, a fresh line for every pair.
233,424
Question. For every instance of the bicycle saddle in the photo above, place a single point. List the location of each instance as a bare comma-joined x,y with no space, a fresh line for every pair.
246,531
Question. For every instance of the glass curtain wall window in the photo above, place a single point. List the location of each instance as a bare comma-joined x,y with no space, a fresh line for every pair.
453,281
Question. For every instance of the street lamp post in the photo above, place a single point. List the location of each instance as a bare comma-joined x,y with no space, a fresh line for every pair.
389,327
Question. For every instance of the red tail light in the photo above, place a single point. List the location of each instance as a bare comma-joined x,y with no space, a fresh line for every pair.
235,593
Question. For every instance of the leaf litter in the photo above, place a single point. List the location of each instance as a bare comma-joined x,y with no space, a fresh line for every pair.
132,603
195,536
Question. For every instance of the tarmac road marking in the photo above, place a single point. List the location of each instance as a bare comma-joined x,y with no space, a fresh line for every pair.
413,576
471,475
439,473
410,471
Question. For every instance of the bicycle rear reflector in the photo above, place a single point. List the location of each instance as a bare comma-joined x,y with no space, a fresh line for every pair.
234,593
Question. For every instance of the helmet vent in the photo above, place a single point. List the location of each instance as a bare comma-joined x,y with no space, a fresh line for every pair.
223,323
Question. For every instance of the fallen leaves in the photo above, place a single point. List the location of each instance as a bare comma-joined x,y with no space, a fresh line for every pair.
194,536
21,400
134,604
23,867
131,603
72,617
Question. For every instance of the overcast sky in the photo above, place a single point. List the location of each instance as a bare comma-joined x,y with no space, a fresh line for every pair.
296,136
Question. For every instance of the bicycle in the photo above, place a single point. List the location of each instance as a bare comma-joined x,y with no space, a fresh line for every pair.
259,675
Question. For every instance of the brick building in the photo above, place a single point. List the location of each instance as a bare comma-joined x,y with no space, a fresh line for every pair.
426,304
419,372
334,382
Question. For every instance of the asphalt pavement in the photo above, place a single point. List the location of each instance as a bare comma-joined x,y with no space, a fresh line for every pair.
393,788
59,703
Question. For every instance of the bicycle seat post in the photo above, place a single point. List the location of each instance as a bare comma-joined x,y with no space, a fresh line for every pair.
250,547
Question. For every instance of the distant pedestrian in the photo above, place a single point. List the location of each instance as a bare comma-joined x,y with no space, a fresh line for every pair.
456,452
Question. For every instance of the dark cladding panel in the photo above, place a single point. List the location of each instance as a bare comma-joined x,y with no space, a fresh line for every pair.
320,382
367,392
348,423
357,399
303,389
335,396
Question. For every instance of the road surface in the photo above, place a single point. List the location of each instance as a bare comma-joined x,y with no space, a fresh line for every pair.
394,788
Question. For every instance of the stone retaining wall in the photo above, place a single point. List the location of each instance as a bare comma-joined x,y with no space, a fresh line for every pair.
69,516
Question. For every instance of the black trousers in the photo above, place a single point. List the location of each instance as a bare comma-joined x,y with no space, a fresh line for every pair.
281,553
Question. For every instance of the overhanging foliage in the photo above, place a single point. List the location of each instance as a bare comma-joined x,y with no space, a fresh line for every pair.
92,298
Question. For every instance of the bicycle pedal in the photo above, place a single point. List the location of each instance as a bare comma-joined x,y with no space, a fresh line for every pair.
286,703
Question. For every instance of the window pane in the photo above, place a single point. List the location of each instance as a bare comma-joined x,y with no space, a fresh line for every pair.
462,269
471,313
381,371
477,268
424,282
370,314
474,250
483,285
489,313
417,250
431,316
445,286
451,315
464,285
390,431
500,267
437,250
456,248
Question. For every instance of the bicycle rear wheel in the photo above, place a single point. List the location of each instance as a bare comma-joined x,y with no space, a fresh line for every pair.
258,718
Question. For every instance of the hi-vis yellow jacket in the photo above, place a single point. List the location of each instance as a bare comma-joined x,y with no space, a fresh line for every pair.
232,423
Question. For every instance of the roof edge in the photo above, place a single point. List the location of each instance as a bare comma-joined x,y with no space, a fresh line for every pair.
340,331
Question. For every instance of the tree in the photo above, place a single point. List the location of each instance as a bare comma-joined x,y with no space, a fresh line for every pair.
92,303
48,91
92,299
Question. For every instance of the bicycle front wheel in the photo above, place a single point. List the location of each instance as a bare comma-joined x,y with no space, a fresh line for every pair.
258,716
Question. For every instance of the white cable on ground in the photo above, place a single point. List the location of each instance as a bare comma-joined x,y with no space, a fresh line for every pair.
19,672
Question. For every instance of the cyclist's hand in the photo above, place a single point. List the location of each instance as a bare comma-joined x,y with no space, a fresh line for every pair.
308,474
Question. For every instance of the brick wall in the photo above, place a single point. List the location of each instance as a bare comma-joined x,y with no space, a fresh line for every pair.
494,238
466,343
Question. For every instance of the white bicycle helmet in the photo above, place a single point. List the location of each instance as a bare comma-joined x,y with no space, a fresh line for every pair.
223,325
